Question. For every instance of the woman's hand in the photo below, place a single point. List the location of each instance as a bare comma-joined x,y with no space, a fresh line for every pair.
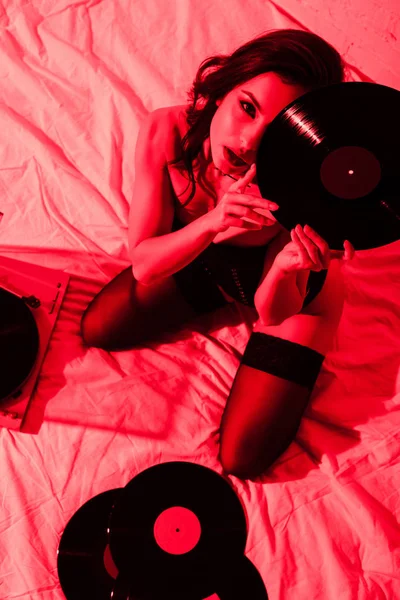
238,204
309,251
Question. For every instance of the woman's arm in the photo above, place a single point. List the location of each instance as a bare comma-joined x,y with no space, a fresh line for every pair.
154,250
278,297
162,256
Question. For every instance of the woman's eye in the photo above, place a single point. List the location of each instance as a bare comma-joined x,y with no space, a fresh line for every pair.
245,106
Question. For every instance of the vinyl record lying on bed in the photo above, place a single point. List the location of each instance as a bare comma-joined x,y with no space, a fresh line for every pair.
84,563
331,159
19,344
174,528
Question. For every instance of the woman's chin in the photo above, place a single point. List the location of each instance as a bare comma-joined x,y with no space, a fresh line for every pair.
231,171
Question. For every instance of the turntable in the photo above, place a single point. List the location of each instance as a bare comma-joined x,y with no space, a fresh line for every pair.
30,301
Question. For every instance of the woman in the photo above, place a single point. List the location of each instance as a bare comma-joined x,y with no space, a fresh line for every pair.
200,235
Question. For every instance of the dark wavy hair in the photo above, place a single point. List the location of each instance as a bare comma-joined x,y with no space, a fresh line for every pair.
297,57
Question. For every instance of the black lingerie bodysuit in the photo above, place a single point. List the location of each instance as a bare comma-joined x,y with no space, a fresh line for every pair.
236,269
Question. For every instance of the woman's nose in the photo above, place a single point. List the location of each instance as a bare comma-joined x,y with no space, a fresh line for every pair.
249,143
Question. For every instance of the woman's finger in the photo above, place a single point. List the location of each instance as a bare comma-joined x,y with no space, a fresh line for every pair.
304,255
241,184
321,245
311,247
254,201
346,254
349,250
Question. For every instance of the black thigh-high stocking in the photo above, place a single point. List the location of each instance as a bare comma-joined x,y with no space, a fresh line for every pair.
268,397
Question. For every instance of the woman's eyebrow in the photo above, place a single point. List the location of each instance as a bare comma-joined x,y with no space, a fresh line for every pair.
253,98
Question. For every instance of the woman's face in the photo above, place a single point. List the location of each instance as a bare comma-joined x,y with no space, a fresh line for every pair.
241,118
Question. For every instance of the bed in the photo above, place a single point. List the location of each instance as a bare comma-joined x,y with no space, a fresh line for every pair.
77,78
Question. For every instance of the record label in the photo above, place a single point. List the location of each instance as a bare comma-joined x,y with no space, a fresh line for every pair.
177,530
350,172
109,564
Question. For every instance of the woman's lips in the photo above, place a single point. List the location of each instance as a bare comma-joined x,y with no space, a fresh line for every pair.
233,159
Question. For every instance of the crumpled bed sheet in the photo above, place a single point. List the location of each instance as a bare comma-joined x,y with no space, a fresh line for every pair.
76,79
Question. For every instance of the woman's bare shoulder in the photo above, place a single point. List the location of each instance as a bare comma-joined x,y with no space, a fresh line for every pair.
171,117
170,123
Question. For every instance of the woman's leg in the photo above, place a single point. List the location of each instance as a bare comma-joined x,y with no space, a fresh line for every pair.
271,391
126,313
261,418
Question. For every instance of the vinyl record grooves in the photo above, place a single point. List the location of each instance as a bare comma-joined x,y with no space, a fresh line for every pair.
331,159
19,339
82,552
173,528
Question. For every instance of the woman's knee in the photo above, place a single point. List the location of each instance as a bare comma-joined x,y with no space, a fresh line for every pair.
233,465
96,334
248,464
126,313
109,320
113,325
91,331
